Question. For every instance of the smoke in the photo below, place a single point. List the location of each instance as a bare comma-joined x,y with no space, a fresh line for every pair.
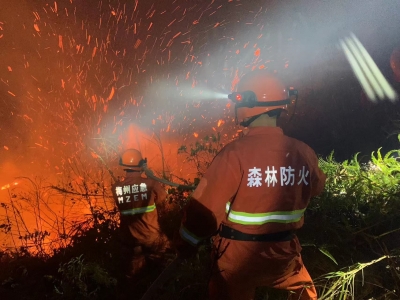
186,93
200,94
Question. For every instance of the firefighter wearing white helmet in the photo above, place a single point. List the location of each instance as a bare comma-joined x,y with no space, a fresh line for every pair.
137,199
252,199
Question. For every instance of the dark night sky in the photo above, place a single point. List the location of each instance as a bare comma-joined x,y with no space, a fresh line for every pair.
72,71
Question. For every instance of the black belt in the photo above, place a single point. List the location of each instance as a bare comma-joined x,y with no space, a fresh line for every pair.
233,234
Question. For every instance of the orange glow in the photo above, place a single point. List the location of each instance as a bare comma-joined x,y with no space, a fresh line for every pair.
7,186
131,138
112,58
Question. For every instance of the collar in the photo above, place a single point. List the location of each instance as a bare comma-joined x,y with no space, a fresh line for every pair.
263,130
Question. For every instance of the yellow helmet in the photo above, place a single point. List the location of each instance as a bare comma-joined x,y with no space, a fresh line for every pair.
132,159
259,92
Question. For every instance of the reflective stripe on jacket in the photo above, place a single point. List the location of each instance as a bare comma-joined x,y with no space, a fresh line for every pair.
244,218
139,210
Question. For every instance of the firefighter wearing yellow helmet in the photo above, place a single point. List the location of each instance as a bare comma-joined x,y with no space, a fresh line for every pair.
252,200
137,199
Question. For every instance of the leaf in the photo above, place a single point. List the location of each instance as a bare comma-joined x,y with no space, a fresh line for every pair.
308,244
326,253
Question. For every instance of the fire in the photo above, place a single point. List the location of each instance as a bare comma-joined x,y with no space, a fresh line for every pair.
93,79
8,186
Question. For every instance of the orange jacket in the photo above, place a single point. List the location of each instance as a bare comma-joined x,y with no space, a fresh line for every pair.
258,184
136,198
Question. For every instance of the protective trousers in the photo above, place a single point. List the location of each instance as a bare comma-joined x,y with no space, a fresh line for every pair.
243,266
140,244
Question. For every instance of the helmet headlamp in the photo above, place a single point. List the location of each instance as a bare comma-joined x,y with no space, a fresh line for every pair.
249,99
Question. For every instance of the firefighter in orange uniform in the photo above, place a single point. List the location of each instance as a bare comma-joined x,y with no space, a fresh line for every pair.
253,198
137,198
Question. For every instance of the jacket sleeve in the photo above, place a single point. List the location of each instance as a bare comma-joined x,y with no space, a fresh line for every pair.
161,194
206,209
